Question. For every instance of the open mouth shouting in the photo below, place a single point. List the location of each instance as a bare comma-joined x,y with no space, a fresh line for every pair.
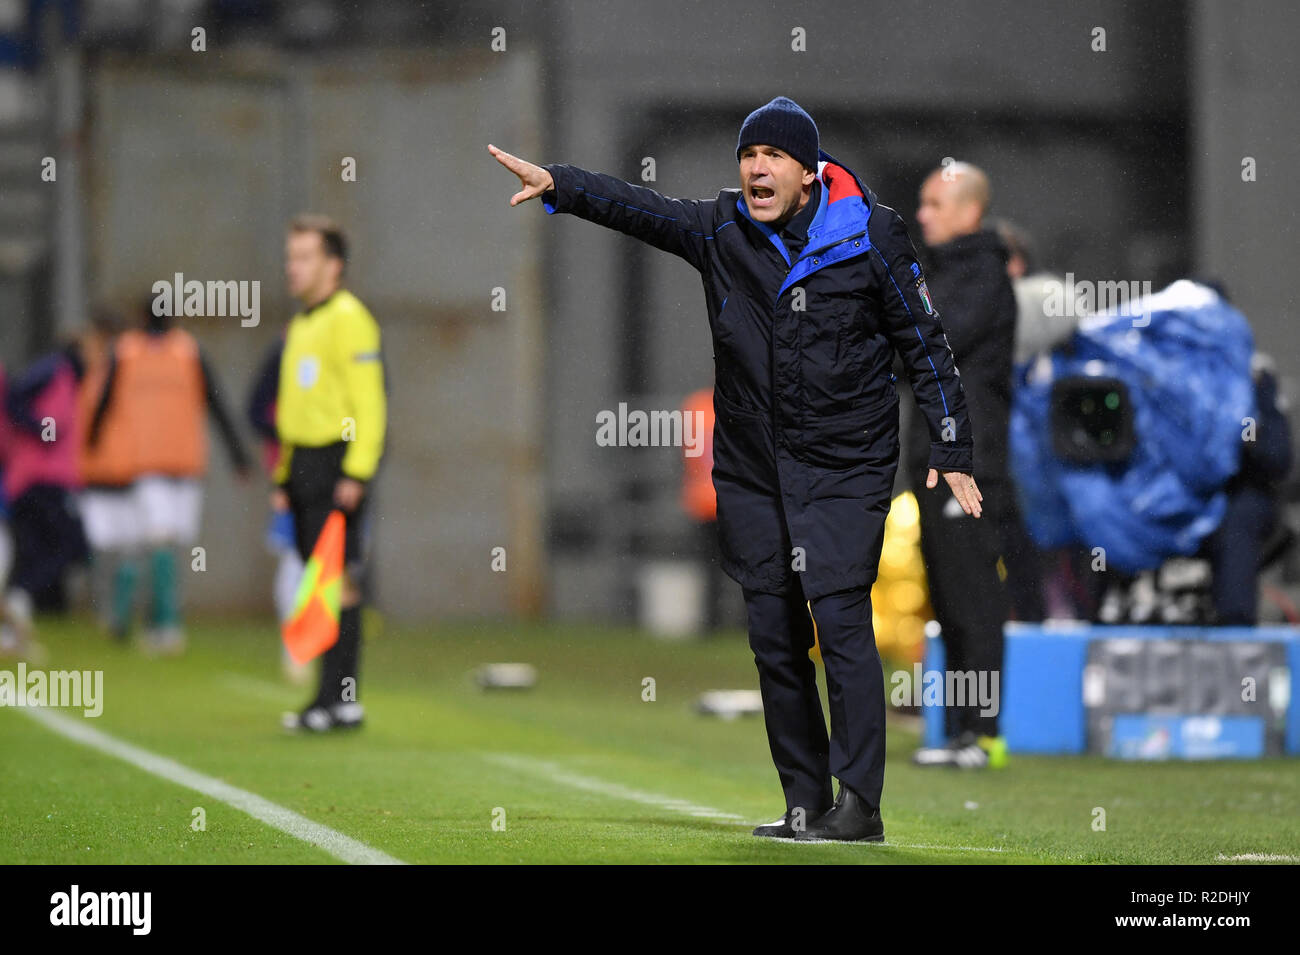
761,197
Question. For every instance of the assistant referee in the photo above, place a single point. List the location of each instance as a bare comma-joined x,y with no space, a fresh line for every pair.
331,412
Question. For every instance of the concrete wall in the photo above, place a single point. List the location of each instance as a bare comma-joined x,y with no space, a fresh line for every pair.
197,171
1245,79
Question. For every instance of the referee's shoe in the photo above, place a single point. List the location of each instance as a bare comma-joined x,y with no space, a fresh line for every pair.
321,719
849,820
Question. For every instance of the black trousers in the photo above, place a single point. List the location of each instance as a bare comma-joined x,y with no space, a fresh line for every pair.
313,473
1234,550
1025,563
781,634
969,599
48,538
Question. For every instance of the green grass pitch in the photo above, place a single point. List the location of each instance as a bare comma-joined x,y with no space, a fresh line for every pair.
579,769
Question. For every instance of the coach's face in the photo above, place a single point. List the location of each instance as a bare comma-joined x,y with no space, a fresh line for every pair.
308,268
774,183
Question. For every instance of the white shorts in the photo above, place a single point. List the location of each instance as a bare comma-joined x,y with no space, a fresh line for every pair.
111,518
168,509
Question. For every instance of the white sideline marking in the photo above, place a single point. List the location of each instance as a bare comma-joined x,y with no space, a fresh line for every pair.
1257,857
902,845
557,773
286,820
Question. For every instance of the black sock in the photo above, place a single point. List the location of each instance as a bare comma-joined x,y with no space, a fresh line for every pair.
349,653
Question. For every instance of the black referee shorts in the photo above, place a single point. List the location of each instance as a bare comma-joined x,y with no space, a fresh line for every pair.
313,472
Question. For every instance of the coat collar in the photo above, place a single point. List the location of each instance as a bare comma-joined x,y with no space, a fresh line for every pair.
847,204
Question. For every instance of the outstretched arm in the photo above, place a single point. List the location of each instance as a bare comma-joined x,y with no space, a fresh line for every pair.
682,227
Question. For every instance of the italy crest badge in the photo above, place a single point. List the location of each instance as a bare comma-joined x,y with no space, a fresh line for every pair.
925,296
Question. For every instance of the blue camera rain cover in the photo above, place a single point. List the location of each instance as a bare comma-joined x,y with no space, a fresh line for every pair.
1184,354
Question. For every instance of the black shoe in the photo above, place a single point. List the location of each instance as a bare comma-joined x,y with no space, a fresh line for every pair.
961,752
968,753
849,820
347,716
780,829
784,828
321,719
936,755
314,718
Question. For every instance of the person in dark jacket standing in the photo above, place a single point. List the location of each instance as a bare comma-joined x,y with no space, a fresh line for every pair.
1237,546
811,286
967,266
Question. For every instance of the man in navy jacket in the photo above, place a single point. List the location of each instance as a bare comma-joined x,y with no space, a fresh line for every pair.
811,287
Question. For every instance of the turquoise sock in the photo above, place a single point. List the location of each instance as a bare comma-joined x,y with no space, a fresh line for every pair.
166,611
123,594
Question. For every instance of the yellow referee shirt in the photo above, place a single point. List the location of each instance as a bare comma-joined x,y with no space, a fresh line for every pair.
332,386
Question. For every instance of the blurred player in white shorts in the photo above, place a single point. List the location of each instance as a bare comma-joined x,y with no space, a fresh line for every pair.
158,390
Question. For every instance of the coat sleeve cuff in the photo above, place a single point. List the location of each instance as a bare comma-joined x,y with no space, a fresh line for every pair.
952,457
551,197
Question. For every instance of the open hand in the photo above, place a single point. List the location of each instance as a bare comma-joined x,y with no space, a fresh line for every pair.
963,487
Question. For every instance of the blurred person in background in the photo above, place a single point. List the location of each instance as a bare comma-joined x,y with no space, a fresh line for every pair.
40,481
331,420
1037,330
280,539
160,388
700,500
108,471
811,286
967,269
